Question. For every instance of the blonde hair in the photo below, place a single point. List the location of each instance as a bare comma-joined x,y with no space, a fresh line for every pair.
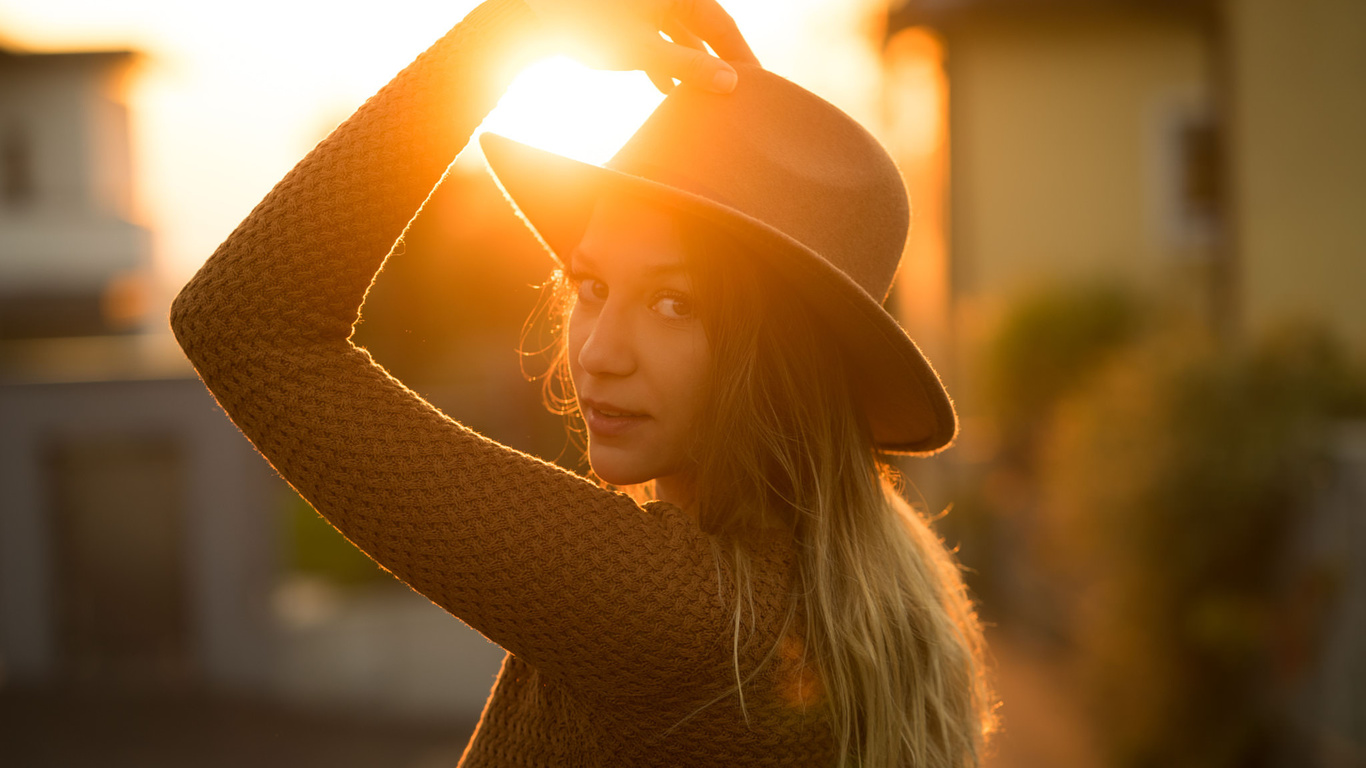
886,621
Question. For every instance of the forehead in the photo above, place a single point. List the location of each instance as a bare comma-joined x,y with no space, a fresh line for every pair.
626,232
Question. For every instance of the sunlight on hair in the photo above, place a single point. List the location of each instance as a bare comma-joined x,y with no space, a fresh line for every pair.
564,107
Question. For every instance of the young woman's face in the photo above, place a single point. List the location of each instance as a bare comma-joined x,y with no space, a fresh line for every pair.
638,355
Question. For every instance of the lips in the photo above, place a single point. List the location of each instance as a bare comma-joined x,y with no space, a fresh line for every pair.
609,420
607,409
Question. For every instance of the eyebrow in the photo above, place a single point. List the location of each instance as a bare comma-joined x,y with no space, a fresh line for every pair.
579,259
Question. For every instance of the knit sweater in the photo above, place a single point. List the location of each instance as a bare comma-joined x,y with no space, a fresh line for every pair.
616,616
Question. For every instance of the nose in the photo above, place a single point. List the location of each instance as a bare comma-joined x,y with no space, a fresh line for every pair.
610,349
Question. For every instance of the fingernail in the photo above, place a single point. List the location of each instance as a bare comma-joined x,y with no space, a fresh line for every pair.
724,80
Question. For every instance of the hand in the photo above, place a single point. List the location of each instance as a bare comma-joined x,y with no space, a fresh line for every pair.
625,35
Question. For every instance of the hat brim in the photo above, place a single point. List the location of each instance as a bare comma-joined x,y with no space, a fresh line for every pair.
909,410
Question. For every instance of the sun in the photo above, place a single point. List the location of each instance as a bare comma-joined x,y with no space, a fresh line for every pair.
561,106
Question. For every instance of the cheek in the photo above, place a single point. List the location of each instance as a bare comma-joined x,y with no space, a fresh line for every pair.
574,337
694,369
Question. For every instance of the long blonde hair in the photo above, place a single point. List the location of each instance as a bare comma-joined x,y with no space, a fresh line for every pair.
887,622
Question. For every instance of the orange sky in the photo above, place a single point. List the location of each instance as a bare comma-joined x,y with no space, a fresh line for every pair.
229,97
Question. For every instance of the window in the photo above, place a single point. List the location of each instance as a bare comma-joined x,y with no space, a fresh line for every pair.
16,167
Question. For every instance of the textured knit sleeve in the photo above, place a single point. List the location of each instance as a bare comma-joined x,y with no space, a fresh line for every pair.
575,580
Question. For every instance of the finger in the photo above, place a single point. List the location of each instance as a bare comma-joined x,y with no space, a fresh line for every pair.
709,21
663,82
682,35
691,66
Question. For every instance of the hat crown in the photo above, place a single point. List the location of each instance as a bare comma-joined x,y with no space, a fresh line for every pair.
783,156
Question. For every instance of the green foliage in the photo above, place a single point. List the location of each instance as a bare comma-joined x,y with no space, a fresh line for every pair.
315,548
1144,489
1167,489
1050,345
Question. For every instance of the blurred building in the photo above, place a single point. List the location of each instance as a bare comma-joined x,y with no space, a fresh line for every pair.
1207,150
144,544
71,257
1296,112
132,536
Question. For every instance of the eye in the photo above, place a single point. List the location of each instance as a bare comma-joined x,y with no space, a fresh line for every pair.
591,289
674,306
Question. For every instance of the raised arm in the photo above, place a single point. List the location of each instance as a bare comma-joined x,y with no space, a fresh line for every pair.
570,577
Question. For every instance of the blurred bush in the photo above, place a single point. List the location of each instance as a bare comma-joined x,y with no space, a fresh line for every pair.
1048,349
312,547
1158,479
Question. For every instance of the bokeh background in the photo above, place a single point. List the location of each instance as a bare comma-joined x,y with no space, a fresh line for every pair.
1138,260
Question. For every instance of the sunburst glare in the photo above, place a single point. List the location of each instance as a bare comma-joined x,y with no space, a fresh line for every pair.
564,107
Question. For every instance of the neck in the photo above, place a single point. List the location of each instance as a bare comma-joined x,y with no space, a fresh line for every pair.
678,490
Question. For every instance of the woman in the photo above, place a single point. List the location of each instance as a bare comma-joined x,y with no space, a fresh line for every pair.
775,601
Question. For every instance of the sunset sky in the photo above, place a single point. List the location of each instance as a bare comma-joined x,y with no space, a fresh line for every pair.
227,99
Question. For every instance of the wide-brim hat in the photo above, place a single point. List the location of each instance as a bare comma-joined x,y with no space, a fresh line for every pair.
802,184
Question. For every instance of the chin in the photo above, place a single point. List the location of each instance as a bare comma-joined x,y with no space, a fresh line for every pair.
615,470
